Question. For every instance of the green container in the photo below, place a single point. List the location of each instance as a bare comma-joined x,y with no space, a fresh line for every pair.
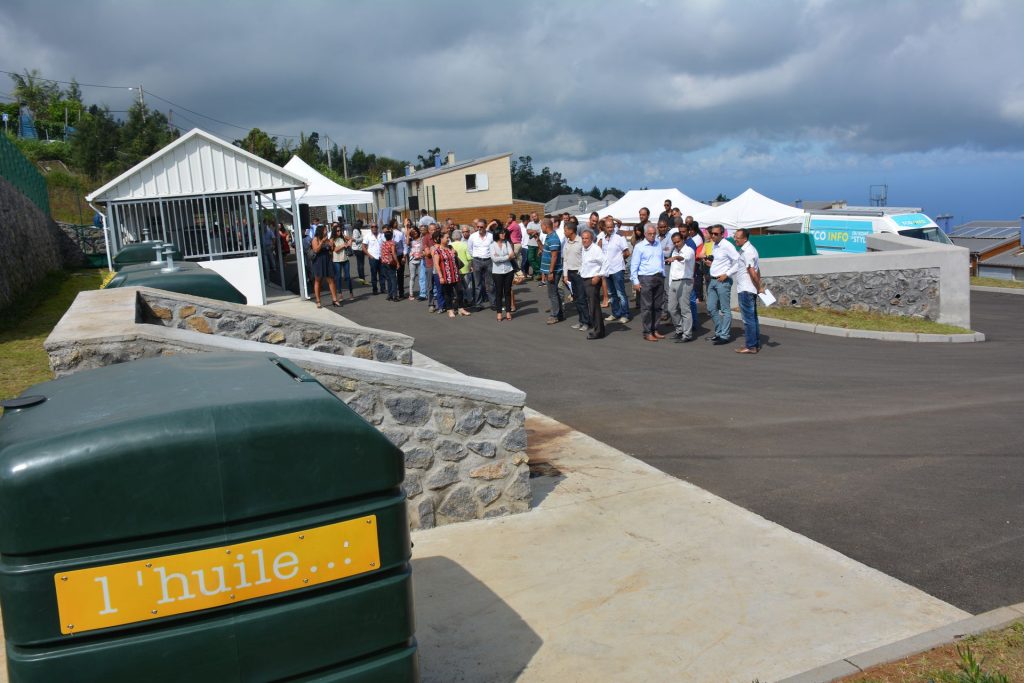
123,471
790,244
189,279
141,252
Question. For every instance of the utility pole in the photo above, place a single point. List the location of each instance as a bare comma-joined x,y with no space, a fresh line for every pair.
344,160
328,138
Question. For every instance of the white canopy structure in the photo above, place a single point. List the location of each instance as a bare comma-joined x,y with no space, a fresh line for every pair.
201,194
628,208
321,190
750,210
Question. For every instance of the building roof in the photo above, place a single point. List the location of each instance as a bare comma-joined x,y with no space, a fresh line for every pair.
979,245
816,205
197,163
987,229
873,210
988,224
571,203
447,168
1011,259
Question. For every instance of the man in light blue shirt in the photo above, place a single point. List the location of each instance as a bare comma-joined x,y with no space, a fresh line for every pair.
647,271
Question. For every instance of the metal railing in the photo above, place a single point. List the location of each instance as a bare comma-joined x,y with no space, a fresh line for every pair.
23,174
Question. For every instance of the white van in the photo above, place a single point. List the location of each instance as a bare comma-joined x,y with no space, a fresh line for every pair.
846,233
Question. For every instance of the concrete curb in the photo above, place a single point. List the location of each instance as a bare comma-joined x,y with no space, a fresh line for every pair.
997,618
871,334
1019,291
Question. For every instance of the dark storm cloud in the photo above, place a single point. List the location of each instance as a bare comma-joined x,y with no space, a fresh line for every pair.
568,81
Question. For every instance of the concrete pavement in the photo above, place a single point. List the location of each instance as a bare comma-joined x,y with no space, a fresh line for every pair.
624,573
906,457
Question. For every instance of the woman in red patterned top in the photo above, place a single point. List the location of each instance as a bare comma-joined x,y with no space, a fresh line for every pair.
447,268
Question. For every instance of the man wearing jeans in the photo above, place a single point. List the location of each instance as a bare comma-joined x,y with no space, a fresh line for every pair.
551,269
647,271
680,284
371,247
479,244
616,251
748,284
725,263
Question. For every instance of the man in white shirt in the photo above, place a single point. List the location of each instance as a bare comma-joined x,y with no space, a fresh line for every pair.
371,247
533,244
479,245
616,250
748,285
725,263
680,283
572,259
591,272
425,218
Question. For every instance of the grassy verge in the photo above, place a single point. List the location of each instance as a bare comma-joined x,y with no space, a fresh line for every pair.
856,320
996,282
25,325
995,656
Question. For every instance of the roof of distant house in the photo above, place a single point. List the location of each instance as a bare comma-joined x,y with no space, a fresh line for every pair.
571,202
979,245
1011,259
814,205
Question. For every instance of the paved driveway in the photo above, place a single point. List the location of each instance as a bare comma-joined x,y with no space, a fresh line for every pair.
906,457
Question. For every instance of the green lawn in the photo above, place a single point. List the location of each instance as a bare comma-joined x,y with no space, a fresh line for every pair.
25,325
856,320
996,282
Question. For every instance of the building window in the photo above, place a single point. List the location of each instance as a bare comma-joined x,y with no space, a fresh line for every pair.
476,182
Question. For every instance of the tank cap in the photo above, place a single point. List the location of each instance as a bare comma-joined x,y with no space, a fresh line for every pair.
21,402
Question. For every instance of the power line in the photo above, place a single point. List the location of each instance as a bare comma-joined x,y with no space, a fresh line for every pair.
152,94
50,80
223,123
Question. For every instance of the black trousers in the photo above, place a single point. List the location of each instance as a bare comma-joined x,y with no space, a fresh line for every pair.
502,290
452,296
652,297
401,279
579,297
593,297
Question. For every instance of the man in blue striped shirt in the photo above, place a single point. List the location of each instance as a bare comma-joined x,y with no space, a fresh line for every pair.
647,271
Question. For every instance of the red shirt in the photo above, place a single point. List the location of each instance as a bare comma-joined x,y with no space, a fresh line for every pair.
515,233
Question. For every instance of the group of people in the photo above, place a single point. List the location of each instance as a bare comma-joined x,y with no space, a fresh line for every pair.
671,265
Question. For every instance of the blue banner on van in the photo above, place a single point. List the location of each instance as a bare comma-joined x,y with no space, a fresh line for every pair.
834,234
911,220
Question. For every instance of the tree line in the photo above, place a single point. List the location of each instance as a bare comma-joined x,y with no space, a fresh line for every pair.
93,142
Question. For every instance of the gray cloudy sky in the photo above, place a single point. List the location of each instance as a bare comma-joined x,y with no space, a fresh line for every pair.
800,99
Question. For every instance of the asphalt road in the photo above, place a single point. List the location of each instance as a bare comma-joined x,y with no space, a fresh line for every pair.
907,457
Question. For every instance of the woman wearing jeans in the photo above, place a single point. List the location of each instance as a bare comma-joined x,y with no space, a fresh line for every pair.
415,252
501,272
342,243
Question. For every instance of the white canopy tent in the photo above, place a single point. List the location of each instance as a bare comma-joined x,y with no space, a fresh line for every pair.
750,210
321,190
627,209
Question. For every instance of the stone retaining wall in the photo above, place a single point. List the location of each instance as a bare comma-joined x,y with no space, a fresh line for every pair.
254,323
896,275
911,292
463,437
31,244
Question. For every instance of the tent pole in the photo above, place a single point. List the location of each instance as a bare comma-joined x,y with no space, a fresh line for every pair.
300,247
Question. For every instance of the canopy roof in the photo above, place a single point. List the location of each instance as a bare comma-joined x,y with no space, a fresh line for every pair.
197,163
750,210
628,208
321,190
